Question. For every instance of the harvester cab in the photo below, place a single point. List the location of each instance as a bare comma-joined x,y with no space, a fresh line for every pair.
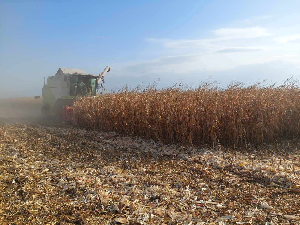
61,90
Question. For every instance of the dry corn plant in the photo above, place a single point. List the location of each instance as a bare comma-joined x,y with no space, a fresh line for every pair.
234,116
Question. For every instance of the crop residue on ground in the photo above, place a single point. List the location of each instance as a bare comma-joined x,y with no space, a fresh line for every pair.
65,175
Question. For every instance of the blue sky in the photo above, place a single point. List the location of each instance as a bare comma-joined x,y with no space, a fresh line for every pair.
147,41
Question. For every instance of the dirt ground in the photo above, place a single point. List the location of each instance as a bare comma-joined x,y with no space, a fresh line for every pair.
53,173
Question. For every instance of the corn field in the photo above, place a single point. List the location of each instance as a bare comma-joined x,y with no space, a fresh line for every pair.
235,116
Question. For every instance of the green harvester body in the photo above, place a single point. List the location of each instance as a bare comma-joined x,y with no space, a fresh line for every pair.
66,85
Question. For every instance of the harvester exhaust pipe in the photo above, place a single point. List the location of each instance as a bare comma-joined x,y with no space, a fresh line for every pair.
106,70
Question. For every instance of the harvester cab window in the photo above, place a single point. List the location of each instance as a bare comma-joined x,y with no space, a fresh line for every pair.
73,85
82,86
93,86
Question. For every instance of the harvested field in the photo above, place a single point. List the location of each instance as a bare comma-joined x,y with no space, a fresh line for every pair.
65,175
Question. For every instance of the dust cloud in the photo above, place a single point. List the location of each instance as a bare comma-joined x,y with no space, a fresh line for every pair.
20,110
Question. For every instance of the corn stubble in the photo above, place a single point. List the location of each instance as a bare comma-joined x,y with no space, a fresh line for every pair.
236,116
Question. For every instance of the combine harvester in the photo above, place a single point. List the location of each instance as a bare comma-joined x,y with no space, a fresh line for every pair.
60,91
